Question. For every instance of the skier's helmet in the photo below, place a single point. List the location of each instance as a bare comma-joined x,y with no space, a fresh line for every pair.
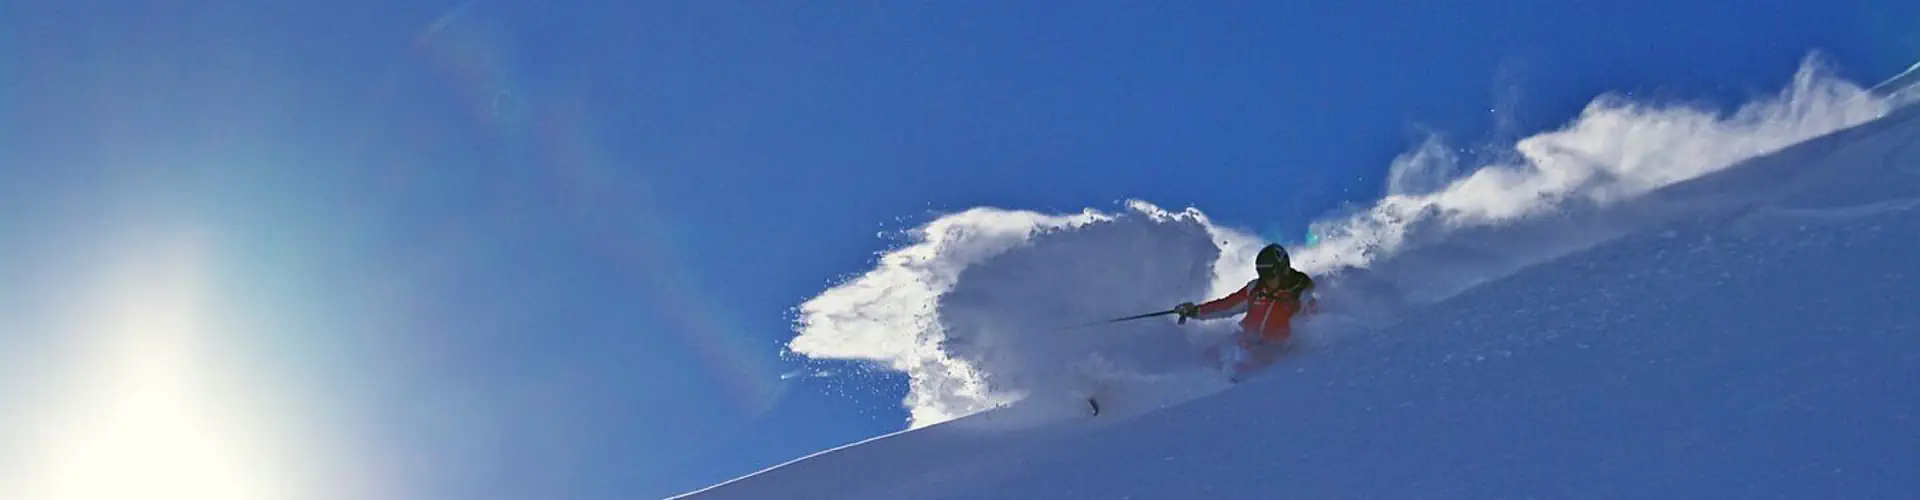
1271,261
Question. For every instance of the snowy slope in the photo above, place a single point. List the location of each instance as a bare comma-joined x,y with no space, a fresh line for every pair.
1746,333
966,309
1768,349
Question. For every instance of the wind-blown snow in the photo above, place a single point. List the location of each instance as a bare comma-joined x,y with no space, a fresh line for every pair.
1559,184
1746,333
1902,89
968,310
973,311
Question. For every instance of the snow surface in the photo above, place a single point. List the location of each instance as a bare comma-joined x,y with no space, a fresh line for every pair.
1617,313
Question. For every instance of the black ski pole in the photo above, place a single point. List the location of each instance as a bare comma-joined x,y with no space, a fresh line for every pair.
1183,319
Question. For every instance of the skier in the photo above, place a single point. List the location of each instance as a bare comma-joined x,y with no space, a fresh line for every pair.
1269,303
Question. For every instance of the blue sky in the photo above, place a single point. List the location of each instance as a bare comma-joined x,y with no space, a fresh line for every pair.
538,248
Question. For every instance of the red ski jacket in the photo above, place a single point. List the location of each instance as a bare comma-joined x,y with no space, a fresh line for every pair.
1269,313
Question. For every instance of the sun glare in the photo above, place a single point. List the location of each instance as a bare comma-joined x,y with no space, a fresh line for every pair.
148,407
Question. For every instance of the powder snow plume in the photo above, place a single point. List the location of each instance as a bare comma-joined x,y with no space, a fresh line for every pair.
1549,194
968,310
972,311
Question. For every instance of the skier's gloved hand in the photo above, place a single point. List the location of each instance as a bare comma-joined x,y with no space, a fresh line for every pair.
1186,310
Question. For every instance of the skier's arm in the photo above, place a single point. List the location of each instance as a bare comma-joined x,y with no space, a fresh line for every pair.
1234,303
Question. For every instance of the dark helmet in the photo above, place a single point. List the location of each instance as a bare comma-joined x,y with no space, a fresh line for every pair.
1271,261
